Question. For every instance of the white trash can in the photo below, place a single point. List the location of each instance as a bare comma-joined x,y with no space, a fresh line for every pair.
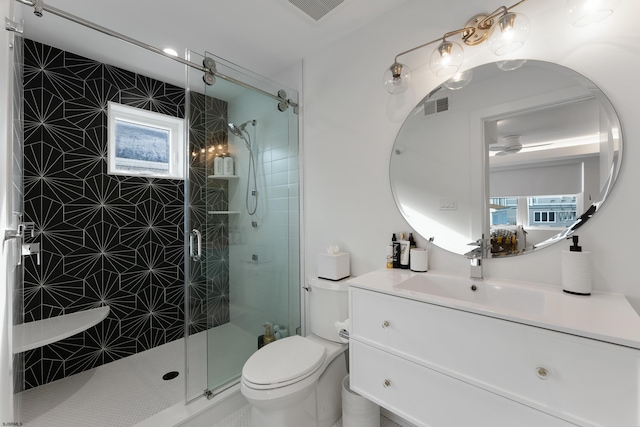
358,411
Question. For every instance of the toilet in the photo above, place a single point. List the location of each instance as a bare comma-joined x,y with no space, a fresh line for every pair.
296,381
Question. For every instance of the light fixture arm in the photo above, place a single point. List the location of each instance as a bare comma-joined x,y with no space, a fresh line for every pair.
470,30
502,10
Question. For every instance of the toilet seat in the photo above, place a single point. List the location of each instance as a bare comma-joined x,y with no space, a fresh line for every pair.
283,362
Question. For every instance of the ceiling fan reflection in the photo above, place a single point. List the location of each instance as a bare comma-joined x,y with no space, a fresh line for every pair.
511,145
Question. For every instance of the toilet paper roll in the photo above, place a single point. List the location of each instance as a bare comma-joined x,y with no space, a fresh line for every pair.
419,259
576,272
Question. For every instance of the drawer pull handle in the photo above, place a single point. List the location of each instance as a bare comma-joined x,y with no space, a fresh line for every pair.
385,324
386,383
542,373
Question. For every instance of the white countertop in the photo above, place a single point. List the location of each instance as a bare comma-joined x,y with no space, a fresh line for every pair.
602,316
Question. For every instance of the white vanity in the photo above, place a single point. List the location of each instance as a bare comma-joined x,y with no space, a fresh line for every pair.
444,351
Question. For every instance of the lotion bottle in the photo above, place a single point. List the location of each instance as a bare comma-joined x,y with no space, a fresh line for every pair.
404,254
269,337
218,166
396,251
576,270
228,165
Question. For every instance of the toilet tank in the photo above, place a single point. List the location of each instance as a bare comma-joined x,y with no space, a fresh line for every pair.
328,304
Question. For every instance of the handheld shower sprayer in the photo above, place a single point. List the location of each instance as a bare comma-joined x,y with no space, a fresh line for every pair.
241,132
238,129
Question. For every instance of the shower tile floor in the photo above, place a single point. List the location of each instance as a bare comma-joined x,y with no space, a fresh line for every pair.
129,390
120,393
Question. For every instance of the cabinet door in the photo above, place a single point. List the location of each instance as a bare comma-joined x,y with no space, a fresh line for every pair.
428,398
580,380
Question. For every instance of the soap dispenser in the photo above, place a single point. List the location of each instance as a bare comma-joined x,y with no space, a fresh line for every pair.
576,270
268,335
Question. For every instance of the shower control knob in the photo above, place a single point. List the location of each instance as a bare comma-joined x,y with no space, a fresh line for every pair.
387,383
386,324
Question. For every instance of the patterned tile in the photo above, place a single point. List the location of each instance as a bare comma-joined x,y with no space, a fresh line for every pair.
111,240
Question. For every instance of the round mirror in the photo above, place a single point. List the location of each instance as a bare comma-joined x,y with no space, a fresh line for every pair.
520,153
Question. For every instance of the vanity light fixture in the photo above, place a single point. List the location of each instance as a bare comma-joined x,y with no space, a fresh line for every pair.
447,58
508,34
503,30
396,78
585,12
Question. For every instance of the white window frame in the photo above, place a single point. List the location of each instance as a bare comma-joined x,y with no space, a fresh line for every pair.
174,126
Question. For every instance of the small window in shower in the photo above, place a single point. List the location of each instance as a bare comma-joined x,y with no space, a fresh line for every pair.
145,143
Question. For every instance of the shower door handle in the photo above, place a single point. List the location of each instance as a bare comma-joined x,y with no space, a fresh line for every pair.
195,252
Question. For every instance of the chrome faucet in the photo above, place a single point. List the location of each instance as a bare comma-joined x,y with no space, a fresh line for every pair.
475,258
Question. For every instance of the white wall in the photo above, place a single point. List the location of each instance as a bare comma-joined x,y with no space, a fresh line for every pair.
350,124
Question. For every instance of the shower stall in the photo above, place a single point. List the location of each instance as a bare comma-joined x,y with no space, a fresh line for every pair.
247,219
199,264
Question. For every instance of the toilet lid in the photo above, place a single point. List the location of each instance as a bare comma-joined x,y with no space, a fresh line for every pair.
283,360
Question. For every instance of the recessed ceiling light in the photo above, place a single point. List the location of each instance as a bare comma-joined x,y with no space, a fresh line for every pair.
170,51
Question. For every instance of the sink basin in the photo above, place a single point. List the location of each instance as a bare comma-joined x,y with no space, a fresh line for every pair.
514,299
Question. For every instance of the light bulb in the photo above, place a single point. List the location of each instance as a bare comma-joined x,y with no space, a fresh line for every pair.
585,12
396,78
446,59
508,34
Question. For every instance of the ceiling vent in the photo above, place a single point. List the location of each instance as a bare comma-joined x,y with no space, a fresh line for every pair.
316,8
436,106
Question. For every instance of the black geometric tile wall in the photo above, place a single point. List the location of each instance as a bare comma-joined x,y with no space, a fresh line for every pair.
209,284
106,239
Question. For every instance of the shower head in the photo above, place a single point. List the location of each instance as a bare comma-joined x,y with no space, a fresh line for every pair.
238,129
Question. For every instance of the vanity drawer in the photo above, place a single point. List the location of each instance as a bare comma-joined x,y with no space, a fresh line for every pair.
580,380
428,398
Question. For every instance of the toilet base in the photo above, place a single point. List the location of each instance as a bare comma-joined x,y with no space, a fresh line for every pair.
301,414
321,407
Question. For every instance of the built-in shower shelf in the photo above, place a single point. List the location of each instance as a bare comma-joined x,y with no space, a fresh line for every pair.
224,176
30,335
223,212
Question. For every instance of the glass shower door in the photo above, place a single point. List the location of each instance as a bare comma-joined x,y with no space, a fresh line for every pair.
248,216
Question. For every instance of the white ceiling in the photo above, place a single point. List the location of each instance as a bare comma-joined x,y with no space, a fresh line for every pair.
264,36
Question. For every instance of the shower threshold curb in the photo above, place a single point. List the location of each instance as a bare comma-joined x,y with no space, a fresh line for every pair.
200,412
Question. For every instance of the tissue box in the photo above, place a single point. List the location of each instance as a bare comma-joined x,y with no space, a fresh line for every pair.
333,266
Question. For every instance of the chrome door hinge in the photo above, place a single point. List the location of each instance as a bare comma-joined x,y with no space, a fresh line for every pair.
13,26
20,234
